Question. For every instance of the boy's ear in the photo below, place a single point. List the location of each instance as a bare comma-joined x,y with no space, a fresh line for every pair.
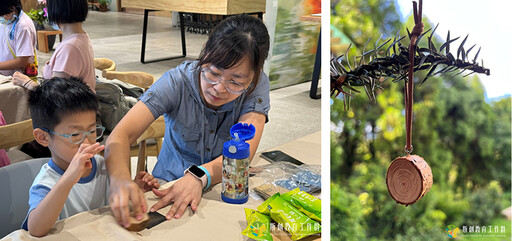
41,137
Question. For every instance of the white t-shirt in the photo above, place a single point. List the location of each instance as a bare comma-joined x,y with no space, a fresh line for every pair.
75,57
23,44
89,193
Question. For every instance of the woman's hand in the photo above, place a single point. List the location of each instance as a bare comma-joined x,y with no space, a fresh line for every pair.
146,181
122,191
186,191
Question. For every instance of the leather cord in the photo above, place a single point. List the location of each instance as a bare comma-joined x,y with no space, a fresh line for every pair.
409,84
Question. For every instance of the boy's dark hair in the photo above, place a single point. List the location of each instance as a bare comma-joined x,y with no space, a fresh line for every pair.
58,97
67,11
235,38
6,6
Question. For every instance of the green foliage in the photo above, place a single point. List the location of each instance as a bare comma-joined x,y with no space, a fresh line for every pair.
38,15
346,208
104,2
488,201
361,19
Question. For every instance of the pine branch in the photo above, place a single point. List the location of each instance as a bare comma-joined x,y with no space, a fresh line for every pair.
394,64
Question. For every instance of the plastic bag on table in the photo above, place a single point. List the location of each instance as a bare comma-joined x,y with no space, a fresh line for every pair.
283,176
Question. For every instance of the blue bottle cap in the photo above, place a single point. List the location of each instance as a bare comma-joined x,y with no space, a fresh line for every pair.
244,131
237,148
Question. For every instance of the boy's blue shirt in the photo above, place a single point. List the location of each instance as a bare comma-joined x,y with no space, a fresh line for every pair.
89,193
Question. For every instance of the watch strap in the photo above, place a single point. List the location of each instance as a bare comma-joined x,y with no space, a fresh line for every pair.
203,179
209,178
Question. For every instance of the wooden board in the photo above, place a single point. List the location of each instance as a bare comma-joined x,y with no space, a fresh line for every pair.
221,7
28,4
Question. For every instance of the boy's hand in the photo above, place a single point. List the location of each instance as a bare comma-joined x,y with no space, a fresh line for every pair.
146,181
82,160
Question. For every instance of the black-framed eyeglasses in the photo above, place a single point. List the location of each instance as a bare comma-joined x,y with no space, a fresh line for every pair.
78,137
214,78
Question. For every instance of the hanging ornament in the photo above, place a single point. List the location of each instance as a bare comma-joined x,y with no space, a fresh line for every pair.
409,178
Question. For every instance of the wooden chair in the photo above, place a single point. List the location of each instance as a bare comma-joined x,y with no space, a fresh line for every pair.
104,64
16,134
155,131
42,39
140,79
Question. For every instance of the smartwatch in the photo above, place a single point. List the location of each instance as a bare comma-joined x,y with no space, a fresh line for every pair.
197,173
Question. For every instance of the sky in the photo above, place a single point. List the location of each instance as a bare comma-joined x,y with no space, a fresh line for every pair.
488,24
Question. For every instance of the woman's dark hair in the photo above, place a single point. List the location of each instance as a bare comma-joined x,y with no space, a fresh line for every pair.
57,97
6,6
235,38
67,11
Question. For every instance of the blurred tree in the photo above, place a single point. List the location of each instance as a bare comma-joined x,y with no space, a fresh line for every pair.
362,19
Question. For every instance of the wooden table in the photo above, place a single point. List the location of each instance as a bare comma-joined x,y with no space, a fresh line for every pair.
217,7
214,220
13,102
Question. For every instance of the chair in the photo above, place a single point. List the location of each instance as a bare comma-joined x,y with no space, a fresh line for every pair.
155,131
140,79
42,39
104,64
16,134
15,182
147,147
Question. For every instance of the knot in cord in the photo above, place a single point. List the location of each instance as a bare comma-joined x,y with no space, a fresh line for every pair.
418,29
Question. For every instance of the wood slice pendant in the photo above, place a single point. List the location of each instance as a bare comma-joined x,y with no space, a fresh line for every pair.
408,179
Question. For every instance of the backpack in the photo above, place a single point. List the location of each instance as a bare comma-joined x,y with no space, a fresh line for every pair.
113,104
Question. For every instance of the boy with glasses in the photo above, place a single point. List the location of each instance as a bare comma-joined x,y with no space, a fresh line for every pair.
75,179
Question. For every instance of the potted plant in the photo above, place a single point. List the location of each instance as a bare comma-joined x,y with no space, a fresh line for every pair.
104,5
39,17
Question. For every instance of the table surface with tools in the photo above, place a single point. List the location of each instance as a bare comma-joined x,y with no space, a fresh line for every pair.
214,219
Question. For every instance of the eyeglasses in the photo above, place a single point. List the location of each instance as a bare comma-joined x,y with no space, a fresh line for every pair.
78,137
214,78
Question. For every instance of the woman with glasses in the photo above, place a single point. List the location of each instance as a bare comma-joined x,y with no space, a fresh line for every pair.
17,38
200,101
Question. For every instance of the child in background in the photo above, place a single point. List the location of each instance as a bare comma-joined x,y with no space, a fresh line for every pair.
17,38
75,179
74,56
